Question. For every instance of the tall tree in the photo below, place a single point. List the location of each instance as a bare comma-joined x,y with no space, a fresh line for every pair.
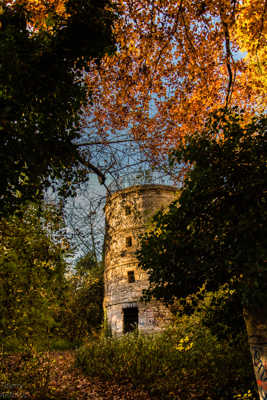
176,62
32,267
215,233
82,311
45,48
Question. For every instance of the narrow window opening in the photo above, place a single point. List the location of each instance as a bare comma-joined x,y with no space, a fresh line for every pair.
129,241
131,277
130,319
127,210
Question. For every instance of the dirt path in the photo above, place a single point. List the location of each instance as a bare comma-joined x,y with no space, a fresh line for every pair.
68,383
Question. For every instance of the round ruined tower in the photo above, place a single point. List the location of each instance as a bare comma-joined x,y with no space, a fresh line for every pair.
128,212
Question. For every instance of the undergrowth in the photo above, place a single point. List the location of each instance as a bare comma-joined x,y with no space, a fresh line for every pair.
184,362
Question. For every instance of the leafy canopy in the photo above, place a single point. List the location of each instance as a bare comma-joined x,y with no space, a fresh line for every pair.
45,47
215,233
176,62
32,268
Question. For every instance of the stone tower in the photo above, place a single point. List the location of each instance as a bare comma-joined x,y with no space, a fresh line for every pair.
128,212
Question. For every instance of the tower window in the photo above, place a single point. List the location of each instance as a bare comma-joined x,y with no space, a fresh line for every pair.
130,319
131,277
127,210
129,241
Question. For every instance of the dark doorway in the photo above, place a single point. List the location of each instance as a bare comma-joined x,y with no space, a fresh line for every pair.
130,319
131,277
129,241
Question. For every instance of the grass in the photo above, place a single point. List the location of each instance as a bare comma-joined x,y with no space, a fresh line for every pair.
184,362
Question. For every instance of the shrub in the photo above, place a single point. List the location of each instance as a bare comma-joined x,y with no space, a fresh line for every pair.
184,362
60,344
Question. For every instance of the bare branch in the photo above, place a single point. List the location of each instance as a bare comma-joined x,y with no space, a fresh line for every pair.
101,176
104,142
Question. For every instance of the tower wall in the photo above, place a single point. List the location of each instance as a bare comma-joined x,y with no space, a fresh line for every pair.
127,213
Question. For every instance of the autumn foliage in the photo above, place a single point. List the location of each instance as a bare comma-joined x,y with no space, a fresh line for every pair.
42,14
176,62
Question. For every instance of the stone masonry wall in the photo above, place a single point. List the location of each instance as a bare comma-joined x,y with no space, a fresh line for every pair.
128,212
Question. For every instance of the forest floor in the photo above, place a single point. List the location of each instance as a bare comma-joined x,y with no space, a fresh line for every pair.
67,382
70,383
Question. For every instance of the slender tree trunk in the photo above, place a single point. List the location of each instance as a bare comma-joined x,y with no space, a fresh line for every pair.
256,324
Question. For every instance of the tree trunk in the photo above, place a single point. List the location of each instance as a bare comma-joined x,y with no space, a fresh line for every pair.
256,324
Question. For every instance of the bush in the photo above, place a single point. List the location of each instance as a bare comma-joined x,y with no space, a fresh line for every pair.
32,275
184,362
60,344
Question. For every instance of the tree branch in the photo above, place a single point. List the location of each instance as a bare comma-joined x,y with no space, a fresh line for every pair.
100,175
102,142
228,62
